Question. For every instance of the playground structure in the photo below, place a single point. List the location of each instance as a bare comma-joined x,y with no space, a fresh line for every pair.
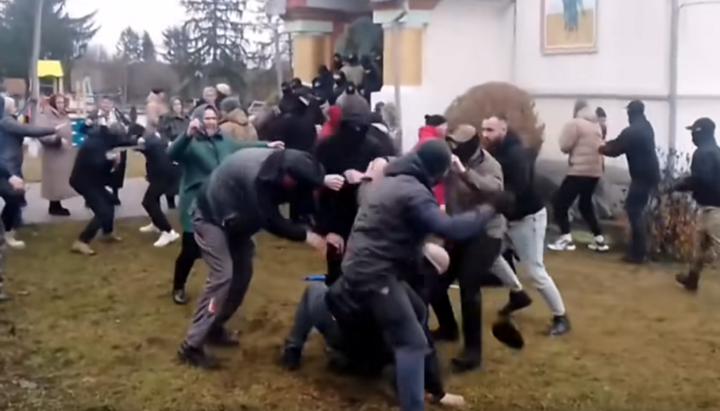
52,76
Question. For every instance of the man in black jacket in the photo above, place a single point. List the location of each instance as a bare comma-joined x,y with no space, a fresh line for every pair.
704,185
242,197
637,143
527,222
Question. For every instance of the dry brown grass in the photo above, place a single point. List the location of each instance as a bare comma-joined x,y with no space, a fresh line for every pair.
32,167
101,334
557,39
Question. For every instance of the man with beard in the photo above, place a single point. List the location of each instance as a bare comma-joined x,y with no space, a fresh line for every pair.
391,227
527,222
351,149
475,179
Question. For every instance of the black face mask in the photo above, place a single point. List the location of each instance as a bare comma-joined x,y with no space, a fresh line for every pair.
466,150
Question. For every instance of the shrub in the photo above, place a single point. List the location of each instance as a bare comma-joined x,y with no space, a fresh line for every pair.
497,98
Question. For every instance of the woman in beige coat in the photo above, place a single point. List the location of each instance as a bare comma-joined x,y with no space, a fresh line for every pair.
581,137
58,155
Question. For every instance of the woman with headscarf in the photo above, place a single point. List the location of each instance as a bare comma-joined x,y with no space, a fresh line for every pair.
198,154
58,155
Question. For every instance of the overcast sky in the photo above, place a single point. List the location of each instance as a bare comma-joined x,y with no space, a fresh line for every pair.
115,15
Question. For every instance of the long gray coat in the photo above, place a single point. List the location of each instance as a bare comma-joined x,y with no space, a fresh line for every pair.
57,159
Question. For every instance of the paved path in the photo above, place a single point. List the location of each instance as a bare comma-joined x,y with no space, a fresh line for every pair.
131,196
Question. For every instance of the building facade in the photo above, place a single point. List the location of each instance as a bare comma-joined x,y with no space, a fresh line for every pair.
607,51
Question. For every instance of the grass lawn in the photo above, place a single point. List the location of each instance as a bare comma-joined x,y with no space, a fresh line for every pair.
100,334
32,167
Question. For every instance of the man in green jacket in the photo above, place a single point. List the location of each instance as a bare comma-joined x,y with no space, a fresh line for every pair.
198,152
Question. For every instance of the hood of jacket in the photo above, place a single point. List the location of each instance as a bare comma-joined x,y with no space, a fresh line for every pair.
587,113
236,116
409,165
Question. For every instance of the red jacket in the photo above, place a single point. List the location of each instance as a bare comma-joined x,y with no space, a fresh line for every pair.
429,133
331,125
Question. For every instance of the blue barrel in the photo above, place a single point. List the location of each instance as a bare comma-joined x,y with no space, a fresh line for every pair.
78,131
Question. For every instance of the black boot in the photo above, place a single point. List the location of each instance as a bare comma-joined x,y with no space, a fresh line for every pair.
516,302
467,361
57,209
179,297
291,358
220,337
689,281
560,326
196,357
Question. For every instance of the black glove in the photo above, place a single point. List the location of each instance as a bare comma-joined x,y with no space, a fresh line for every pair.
506,332
503,202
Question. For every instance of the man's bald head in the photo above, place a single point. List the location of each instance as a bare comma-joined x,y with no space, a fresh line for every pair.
494,128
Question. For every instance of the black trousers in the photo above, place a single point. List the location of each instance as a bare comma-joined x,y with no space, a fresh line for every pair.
13,205
189,253
571,188
156,189
470,264
102,203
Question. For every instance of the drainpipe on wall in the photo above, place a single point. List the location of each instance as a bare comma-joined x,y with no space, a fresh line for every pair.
513,46
397,26
673,82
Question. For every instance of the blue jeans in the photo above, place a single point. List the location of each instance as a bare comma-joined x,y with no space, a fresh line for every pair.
636,204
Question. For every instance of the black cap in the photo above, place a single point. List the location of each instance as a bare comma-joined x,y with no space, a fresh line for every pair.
702,124
636,106
435,120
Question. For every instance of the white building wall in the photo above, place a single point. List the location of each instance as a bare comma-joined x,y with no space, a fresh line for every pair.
469,42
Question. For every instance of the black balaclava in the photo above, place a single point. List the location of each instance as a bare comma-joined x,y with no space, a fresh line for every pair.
467,149
435,158
635,110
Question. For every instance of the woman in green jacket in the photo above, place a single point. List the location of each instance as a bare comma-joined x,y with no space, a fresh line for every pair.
198,152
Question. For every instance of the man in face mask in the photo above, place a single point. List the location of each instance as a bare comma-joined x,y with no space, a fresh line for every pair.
475,179
705,188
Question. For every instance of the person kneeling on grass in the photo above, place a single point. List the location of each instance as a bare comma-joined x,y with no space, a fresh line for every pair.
354,344
241,197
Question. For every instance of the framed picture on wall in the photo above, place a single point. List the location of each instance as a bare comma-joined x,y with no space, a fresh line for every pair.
569,26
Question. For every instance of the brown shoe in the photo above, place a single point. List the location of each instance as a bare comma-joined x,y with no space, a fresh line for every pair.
110,238
82,248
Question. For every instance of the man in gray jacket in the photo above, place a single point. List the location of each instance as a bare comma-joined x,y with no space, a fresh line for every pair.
242,197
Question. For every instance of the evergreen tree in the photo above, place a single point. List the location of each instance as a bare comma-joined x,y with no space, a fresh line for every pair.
129,46
217,38
176,52
63,38
148,48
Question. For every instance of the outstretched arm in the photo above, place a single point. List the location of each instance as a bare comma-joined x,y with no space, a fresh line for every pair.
426,217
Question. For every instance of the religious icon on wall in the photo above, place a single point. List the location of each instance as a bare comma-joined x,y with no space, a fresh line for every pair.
569,26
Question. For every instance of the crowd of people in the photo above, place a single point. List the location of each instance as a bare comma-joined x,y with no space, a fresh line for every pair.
396,229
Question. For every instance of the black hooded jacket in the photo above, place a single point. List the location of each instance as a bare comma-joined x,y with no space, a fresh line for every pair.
92,169
704,171
395,218
351,148
518,166
637,142
244,193
296,124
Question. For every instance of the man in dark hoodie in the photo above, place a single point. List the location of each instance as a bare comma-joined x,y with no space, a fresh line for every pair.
527,222
346,152
637,143
12,134
92,173
372,80
391,227
242,197
11,186
704,185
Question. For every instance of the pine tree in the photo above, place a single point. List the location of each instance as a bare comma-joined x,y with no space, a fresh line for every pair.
148,48
129,46
217,38
64,37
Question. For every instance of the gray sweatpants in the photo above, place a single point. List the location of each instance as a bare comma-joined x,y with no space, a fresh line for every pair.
230,264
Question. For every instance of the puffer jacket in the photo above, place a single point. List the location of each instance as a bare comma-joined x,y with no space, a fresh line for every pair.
581,137
237,126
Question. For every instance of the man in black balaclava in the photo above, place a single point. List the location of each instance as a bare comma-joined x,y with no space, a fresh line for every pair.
705,188
354,72
337,63
372,81
323,84
637,143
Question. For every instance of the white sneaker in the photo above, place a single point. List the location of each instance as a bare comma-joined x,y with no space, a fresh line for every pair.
166,238
563,243
599,245
150,228
12,242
